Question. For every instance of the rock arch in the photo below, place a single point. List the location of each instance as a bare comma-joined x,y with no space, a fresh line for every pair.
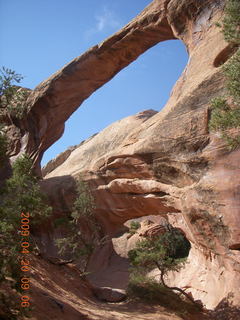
54,100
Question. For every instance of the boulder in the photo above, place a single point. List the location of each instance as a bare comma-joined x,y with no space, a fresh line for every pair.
108,294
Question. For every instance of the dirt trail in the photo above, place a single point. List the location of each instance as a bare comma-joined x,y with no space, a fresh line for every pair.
58,293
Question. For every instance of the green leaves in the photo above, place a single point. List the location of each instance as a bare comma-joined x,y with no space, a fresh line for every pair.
82,227
12,98
20,194
84,203
231,22
134,226
225,115
225,111
232,72
166,250
7,78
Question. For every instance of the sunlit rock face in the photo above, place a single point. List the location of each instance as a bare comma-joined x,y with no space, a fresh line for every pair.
153,163
168,164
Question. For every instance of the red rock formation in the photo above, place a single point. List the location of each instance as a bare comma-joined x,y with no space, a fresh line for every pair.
169,164
54,100
164,163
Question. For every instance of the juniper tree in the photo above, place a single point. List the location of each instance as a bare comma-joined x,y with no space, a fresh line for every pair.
166,252
12,97
82,227
21,193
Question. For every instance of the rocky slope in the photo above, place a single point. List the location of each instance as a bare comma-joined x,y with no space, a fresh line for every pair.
59,293
164,164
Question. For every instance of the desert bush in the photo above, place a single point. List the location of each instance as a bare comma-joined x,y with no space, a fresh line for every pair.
225,110
21,193
12,97
82,227
231,22
166,252
222,116
134,226
231,70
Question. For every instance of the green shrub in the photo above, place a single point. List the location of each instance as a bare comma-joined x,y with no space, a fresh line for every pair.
231,22
206,224
21,193
12,98
166,252
84,203
225,111
232,142
231,70
222,116
134,226
82,227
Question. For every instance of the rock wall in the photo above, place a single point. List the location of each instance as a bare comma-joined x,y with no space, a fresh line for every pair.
168,164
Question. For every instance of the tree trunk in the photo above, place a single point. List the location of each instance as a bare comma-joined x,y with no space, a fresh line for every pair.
173,288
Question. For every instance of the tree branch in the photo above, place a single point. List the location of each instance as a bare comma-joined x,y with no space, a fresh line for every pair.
172,288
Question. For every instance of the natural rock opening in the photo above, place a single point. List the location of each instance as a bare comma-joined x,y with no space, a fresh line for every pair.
109,266
140,93
235,247
149,226
224,55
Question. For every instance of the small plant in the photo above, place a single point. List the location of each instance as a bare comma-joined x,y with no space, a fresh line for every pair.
225,111
78,243
134,226
210,227
231,22
231,71
12,97
232,142
84,203
21,193
222,116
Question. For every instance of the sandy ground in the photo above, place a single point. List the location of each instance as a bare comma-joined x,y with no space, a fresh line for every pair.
59,293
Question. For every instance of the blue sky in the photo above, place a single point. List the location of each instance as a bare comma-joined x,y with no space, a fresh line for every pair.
39,37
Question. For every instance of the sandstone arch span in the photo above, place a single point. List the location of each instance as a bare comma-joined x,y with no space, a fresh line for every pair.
54,100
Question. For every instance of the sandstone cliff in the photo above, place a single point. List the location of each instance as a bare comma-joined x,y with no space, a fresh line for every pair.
165,164
169,164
